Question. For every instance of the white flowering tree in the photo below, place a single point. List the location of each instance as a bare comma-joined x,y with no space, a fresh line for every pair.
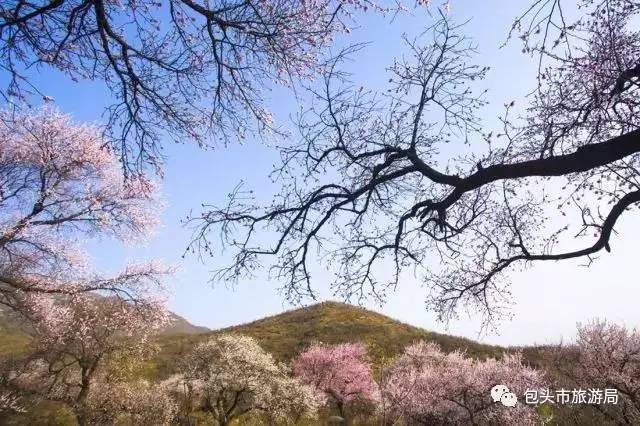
137,403
75,339
231,376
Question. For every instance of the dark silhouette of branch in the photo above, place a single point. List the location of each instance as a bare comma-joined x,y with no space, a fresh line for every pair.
369,191
188,69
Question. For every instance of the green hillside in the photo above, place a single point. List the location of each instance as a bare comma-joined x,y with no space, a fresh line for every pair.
286,334
12,340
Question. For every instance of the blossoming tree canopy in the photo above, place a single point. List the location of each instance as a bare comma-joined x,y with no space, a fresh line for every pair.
609,357
184,67
341,372
139,403
59,184
425,385
75,335
93,325
232,375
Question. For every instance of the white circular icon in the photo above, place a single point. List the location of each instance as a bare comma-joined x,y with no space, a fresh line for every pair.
509,399
501,393
497,391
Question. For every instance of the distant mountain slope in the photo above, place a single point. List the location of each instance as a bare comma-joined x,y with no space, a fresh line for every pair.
286,334
14,335
179,325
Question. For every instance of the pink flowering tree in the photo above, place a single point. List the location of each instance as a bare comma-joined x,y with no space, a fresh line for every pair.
609,358
341,373
427,386
58,186
74,340
185,67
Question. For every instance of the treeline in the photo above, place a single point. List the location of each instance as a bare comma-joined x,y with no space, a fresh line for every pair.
230,379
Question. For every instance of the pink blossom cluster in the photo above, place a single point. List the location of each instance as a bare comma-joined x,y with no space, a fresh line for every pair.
609,357
71,179
340,372
427,385
92,322
58,186
75,337
424,385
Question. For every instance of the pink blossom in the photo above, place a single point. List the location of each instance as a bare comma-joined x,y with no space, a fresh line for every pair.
427,386
341,372
609,357
58,186
75,336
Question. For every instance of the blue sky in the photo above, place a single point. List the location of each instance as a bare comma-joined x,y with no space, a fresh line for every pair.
549,299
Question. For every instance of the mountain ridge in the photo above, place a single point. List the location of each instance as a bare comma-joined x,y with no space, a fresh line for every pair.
286,334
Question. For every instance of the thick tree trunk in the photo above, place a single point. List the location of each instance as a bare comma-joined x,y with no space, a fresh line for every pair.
81,400
343,413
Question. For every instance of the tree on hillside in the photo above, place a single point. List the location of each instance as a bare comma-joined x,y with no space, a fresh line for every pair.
184,67
137,403
75,338
426,386
608,357
370,189
59,184
340,372
231,376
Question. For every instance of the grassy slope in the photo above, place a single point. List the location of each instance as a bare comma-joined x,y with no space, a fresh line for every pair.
13,341
284,335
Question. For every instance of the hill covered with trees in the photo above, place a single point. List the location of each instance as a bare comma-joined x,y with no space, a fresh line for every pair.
296,338
286,334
